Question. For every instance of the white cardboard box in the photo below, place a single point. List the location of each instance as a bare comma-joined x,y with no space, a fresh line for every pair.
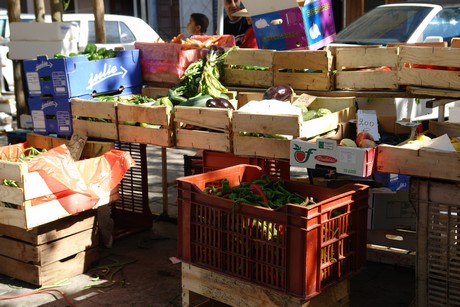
30,50
43,31
345,160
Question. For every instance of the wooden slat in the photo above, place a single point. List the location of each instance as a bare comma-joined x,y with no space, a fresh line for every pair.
144,114
44,275
203,140
228,290
52,231
366,57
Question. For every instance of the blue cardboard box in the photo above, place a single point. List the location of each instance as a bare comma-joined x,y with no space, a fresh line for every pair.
78,76
51,116
394,182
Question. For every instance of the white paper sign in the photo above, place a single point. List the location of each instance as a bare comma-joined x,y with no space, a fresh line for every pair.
366,120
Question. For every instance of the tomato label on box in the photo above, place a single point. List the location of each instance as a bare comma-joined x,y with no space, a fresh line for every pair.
324,152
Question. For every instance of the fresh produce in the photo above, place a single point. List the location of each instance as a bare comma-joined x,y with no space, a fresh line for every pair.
455,143
219,102
201,77
264,192
311,114
134,99
365,140
348,142
279,92
91,52
195,43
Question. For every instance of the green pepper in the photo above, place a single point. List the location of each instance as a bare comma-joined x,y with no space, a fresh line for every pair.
226,189
90,48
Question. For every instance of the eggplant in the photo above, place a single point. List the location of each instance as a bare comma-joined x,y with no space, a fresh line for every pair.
219,102
279,92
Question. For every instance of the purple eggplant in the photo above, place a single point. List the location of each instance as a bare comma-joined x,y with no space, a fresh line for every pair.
279,92
219,102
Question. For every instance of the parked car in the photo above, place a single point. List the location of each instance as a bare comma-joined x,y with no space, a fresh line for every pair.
121,31
404,23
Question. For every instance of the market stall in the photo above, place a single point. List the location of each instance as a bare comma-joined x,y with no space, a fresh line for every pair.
301,249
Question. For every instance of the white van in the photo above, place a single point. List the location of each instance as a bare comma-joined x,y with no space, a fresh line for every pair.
121,31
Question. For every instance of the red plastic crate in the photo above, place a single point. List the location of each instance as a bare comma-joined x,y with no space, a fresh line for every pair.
214,160
314,246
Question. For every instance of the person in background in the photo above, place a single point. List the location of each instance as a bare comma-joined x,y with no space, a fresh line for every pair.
234,25
249,38
197,24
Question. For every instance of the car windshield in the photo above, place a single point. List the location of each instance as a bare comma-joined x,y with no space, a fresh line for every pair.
116,32
384,25
445,24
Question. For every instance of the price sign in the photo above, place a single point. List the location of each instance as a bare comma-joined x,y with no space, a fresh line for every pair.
366,120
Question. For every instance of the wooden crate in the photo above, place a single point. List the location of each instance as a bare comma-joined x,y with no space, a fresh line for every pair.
94,119
290,125
366,68
211,128
202,287
155,92
90,149
236,75
440,128
438,241
432,67
158,115
303,69
418,162
51,252
38,200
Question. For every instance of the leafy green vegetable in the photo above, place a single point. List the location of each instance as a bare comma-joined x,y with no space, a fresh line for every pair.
201,78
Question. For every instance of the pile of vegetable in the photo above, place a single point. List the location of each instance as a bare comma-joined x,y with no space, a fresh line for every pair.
263,192
201,79
91,52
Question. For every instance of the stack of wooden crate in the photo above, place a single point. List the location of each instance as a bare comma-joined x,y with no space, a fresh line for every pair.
42,240
50,252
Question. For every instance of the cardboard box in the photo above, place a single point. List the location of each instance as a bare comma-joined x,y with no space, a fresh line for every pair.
51,116
78,76
28,50
390,210
43,31
394,182
283,25
325,152
165,63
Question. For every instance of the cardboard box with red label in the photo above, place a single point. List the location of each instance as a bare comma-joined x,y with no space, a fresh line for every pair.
353,161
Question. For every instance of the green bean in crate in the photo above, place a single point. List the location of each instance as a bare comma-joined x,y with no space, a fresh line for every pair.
295,249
